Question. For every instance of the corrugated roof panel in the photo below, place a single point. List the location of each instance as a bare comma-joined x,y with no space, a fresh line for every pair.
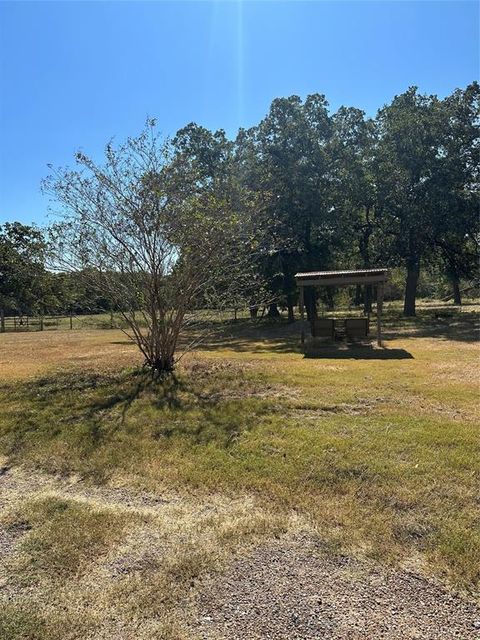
330,274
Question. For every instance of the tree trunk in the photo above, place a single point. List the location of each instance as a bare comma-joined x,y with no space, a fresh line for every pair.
2,320
253,312
358,295
273,311
413,272
162,366
289,266
291,313
455,280
310,301
367,304
365,253
330,298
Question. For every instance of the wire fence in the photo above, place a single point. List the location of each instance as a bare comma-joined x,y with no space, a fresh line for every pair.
98,320
67,322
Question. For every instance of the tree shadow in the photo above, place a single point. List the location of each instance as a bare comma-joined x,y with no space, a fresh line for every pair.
124,395
84,418
254,344
280,337
456,327
169,392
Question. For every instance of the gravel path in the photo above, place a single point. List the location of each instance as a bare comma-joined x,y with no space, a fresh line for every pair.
296,591
289,590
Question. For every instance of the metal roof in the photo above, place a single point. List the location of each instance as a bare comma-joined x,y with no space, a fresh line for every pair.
339,274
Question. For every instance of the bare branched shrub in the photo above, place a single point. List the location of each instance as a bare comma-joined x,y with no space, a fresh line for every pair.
163,241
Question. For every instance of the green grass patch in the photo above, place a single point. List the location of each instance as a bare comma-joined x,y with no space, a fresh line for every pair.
62,538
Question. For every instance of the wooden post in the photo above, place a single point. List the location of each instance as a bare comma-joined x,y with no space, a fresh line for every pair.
41,322
302,315
379,313
71,319
2,320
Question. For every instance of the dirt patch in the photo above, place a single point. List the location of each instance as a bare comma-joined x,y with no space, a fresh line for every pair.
451,371
298,591
228,370
131,587
363,406
366,406
265,391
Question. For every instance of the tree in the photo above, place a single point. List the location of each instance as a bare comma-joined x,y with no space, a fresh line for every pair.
159,238
285,158
457,185
24,282
206,161
407,159
352,149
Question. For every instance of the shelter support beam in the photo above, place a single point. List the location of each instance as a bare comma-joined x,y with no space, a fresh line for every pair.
302,315
379,313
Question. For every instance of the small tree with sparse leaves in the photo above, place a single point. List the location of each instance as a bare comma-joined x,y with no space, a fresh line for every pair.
159,238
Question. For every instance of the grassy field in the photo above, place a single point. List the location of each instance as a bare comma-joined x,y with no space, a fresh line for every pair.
375,452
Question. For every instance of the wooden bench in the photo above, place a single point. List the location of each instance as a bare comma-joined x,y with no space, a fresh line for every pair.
356,328
323,328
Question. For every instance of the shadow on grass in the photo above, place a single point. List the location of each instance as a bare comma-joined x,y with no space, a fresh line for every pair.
253,345
170,392
264,336
260,336
87,411
442,323
442,329
357,352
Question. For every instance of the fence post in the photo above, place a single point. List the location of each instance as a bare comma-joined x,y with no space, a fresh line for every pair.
71,320
41,322
2,320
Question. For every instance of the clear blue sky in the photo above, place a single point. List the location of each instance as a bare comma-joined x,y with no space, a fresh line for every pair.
73,75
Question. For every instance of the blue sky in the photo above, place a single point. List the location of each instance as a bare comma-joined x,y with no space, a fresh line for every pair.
72,75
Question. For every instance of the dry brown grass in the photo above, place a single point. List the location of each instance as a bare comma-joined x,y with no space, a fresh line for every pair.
110,563
25,355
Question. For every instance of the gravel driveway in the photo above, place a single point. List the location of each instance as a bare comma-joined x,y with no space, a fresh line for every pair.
288,590
296,591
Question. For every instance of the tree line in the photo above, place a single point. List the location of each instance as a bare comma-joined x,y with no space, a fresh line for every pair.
222,220
344,190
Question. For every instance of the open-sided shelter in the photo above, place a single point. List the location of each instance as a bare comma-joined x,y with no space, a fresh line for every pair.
377,277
